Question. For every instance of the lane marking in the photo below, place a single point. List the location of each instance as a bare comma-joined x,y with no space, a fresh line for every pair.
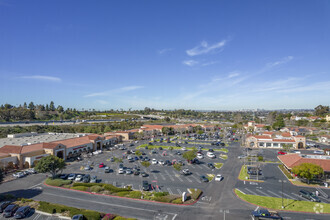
196,179
179,191
290,197
170,191
35,186
189,179
107,204
253,193
276,195
162,176
169,175
265,194
256,208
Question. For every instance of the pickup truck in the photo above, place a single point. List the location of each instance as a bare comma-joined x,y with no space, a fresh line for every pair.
265,214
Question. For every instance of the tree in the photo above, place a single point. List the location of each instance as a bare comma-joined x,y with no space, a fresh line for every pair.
50,164
189,155
279,123
177,166
31,106
287,147
307,171
51,106
146,164
321,110
25,105
167,119
1,175
60,109
47,107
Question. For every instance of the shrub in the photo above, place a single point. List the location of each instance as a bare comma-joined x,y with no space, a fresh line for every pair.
87,184
123,193
195,194
177,201
135,194
109,216
123,218
114,189
81,188
260,158
91,215
46,207
163,199
96,189
159,194
57,182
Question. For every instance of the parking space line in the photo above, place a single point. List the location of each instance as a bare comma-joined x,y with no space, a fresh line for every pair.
162,176
298,196
189,180
253,193
196,179
290,197
197,174
179,191
169,175
276,195
169,191
260,191
36,217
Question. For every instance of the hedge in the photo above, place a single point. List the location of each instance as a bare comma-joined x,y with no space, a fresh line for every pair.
135,194
114,189
87,184
96,189
163,199
177,201
57,182
81,188
159,194
195,194
123,193
56,208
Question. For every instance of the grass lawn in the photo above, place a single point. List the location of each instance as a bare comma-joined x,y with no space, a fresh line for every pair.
222,149
289,204
199,143
244,176
224,157
210,177
218,165
299,183
286,173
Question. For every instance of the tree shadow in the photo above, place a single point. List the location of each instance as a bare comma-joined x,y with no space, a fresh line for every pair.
291,203
23,193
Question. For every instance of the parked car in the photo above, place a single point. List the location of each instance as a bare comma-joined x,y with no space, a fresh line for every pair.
144,174
145,185
63,176
218,177
168,163
265,214
10,210
78,217
86,178
71,176
184,148
18,175
79,178
210,155
136,173
241,157
22,212
129,171
31,171
186,172
107,169
3,206
211,150
307,195
210,165
161,162
154,161
101,165
87,167
281,153
204,179
121,171
200,156
93,179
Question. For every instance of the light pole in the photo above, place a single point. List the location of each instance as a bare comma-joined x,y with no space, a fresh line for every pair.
282,181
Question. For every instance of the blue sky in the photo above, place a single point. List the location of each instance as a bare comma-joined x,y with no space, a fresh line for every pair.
206,55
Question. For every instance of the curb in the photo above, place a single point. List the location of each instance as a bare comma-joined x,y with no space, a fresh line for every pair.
280,210
143,200
48,214
256,181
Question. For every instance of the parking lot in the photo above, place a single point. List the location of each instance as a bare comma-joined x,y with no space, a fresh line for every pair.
38,216
161,177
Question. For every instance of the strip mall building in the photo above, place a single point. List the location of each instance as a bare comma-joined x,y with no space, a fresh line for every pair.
25,156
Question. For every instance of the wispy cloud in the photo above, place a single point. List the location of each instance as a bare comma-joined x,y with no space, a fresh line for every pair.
209,63
114,91
190,62
280,62
233,74
40,77
102,102
205,48
165,50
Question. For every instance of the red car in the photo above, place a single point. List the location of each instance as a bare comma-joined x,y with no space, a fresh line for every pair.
281,153
101,165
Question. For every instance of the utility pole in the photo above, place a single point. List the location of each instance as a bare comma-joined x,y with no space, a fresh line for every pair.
282,181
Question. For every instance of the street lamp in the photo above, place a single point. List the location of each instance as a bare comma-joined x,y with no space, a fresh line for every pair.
282,181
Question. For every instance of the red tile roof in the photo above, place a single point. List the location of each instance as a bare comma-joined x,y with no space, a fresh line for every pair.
73,142
292,160
286,134
283,140
268,132
262,137
260,125
11,149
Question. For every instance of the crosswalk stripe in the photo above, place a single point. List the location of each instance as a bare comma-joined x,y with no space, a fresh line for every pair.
265,194
276,195
253,193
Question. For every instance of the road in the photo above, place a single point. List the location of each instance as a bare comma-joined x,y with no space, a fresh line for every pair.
219,203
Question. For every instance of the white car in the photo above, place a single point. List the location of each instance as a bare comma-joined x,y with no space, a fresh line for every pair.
71,176
128,171
78,178
200,156
18,175
218,178
161,162
121,171
210,155
154,161
184,148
